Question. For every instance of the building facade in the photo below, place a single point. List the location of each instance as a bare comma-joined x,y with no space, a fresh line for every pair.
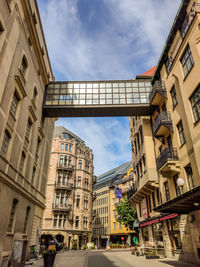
68,210
101,204
176,131
25,136
118,232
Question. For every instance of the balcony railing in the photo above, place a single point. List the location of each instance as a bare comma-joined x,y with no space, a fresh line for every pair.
132,191
61,206
169,154
164,118
64,185
65,166
158,87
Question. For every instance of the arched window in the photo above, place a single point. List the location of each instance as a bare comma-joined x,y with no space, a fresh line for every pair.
35,95
24,65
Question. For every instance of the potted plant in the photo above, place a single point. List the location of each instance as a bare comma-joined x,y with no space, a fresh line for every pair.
152,255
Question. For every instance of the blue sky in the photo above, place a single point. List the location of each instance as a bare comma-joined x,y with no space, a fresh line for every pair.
104,40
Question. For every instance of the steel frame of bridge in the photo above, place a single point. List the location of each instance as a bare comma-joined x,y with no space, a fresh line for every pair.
98,98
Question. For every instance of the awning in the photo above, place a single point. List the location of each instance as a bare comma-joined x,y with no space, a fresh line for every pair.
183,204
159,218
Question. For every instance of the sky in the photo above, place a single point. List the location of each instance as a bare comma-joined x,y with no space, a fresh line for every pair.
104,40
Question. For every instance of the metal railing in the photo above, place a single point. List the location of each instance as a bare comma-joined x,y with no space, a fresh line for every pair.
169,154
158,87
63,206
132,191
164,118
65,166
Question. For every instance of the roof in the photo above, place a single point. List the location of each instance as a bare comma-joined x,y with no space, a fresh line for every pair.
116,172
60,130
147,74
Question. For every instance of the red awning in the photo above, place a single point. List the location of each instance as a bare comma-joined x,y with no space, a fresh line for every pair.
168,217
159,219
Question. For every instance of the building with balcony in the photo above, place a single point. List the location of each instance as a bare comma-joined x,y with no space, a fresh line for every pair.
25,136
101,204
118,232
176,129
68,213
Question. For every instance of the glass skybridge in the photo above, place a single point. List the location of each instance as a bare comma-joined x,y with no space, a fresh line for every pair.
98,98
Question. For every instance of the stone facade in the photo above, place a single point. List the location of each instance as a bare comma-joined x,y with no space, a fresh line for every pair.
25,136
68,213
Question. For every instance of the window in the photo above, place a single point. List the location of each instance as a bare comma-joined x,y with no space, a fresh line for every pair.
55,220
86,203
5,143
33,175
168,65
120,226
138,141
28,128
78,201
26,219
114,225
174,97
24,65
62,147
157,194
141,135
189,173
61,159
187,61
85,222
149,199
144,162
166,187
70,148
38,145
66,147
14,104
177,188
195,103
153,198
114,214
21,165
77,222
80,164
64,220
86,183
181,133
140,165
79,182
60,220
135,145
12,215
35,94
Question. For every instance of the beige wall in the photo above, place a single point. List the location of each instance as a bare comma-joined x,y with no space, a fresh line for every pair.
18,39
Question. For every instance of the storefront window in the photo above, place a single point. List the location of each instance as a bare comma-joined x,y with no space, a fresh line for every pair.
158,235
145,234
174,232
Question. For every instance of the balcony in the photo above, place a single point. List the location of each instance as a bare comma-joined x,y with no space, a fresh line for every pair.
61,207
162,124
65,186
146,184
157,93
67,167
94,179
168,161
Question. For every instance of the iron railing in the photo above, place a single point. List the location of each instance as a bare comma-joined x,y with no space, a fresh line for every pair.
132,191
169,154
164,118
158,87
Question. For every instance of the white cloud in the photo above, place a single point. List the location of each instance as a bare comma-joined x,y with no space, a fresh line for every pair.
108,138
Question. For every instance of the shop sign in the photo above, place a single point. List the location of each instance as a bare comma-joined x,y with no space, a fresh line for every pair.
144,208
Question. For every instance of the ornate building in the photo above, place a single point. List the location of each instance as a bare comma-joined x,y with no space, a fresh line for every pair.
69,190
25,136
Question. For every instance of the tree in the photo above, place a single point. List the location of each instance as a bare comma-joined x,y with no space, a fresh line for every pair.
126,214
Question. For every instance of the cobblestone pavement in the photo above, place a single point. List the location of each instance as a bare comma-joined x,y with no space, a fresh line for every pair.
101,258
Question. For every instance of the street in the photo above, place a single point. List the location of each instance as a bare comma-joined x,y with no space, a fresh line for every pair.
113,258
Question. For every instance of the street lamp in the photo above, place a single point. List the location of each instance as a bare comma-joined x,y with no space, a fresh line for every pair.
180,182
